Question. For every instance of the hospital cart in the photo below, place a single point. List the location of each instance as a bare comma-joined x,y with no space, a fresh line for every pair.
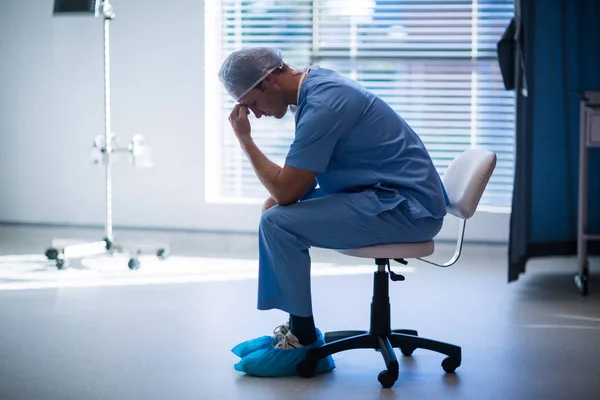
589,136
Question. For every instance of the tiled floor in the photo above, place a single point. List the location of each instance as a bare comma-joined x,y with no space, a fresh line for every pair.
89,335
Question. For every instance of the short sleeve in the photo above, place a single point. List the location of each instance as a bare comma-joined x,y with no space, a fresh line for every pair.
318,129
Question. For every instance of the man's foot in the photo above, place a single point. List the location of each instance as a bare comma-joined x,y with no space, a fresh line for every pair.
286,341
250,346
282,356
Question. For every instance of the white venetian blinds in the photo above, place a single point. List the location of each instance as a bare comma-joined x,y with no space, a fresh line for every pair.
433,61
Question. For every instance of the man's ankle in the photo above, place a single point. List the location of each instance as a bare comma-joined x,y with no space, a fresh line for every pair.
304,329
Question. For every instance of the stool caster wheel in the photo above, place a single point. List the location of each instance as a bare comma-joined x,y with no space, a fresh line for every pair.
51,253
134,264
450,364
307,368
387,378
162,254
407,351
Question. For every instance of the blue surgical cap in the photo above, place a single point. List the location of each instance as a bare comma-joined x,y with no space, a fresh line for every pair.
244,69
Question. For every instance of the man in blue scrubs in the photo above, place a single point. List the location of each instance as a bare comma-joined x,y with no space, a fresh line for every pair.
377,184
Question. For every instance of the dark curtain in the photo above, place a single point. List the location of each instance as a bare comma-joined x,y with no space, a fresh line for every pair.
560,42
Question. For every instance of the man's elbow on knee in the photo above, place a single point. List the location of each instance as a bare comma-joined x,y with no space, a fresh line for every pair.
285,201
269,203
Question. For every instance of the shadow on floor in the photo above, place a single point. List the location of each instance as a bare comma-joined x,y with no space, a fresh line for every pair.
557,287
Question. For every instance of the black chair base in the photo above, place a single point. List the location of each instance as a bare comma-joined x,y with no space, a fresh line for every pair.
381,338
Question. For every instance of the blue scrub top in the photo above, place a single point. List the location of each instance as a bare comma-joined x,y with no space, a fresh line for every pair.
354,140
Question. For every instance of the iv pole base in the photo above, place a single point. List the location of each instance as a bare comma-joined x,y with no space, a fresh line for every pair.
106,247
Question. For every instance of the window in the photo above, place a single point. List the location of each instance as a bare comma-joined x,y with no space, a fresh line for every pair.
433,61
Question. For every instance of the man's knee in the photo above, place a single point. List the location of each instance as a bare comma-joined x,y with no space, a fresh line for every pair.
272,217
269,203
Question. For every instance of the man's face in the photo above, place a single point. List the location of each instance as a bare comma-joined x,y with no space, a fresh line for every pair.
267,99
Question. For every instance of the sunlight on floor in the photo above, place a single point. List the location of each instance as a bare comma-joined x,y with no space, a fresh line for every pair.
36,272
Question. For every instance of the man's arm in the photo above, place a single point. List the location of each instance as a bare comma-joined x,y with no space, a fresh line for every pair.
286,185
310,188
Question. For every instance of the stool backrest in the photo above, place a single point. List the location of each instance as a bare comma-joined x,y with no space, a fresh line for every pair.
466,178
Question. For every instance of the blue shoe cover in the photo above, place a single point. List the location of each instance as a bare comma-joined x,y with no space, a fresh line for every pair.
250,346
272,362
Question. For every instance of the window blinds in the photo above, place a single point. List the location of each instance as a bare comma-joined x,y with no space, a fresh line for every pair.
433,61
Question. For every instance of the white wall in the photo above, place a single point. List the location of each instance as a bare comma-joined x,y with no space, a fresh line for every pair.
51,108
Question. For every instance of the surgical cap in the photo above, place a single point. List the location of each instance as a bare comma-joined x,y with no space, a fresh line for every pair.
244,69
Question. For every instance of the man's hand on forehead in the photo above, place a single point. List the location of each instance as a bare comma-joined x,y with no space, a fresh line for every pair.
239,121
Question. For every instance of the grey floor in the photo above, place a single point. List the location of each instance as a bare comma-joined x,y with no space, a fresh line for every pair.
533,339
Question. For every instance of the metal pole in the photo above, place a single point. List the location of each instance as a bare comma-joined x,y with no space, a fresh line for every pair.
108,16
583,181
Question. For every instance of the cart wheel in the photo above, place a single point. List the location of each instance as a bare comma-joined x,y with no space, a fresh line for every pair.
581,281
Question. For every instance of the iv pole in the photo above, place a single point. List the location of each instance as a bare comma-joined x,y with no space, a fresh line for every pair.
105,146
108,16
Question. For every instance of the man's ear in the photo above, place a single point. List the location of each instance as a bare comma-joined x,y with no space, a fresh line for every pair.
267,83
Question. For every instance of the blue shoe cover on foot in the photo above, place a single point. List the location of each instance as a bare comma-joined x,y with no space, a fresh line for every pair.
272,362
250,346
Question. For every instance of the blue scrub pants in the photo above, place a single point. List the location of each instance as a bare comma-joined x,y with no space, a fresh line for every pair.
337,221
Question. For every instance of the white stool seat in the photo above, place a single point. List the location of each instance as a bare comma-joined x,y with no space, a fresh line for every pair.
392,250
465,180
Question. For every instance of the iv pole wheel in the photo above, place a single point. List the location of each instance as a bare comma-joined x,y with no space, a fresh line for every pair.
134,264
162,254
61,263
51,253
